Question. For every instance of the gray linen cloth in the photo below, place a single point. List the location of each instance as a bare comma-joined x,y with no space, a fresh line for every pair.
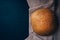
36,4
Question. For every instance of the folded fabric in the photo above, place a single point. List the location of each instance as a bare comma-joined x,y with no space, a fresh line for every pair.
36,4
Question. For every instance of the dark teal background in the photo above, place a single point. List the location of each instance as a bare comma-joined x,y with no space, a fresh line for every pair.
13,19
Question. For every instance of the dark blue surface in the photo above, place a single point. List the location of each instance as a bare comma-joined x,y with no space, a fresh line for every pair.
13,19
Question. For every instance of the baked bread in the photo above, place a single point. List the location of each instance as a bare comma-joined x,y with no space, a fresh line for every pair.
43,21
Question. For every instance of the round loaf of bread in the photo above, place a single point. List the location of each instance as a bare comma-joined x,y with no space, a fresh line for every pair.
43,21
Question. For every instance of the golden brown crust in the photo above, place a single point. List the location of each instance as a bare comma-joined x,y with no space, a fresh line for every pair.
42,21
